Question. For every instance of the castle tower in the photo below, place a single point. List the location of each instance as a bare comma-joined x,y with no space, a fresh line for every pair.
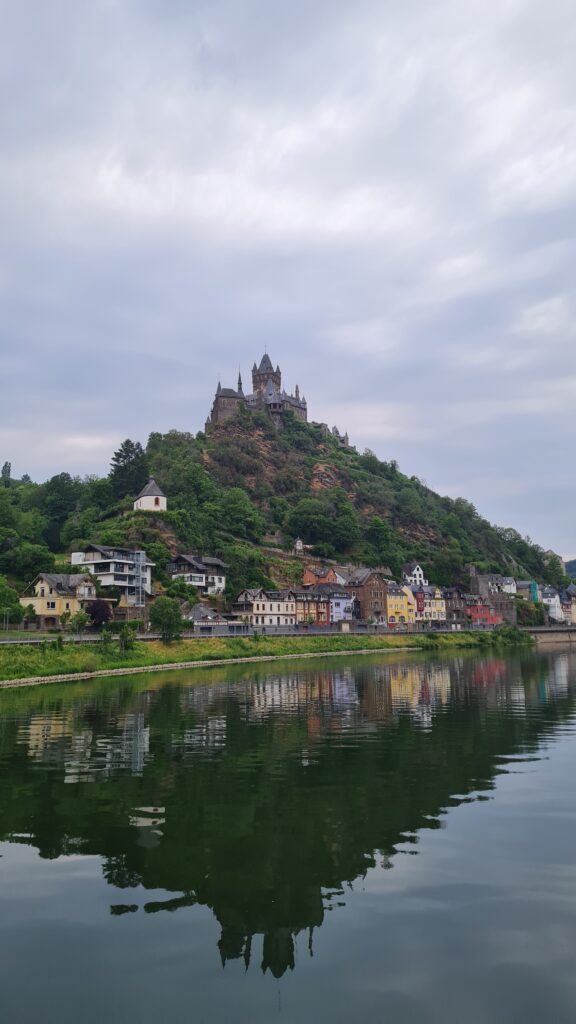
264,373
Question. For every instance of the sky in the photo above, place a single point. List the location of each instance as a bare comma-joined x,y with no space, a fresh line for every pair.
380,193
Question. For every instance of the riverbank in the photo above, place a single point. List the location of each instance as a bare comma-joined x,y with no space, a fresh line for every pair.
50,662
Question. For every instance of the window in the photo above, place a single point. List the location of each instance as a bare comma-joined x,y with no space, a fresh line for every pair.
50,604
67,606
42,592
156,502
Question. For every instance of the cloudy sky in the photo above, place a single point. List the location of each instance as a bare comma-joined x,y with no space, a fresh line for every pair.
381,192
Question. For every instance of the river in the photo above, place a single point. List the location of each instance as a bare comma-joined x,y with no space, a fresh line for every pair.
391,836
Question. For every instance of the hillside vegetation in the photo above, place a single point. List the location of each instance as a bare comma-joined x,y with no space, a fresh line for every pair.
229,489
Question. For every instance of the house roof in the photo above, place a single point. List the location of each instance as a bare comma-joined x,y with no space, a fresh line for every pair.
64,582
409,567
209,560
151,490
330,589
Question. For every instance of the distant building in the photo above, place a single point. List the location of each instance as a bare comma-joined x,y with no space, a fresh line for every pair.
568,601
413,575
313,606
259,607
400,606
151,498
456,607
368,587
204,572
314,575
341,607
481,612
127,569
430,604
267,393
528,590
551,599
499,591
53,594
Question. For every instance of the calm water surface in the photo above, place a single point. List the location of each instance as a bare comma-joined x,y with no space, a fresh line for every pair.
391,836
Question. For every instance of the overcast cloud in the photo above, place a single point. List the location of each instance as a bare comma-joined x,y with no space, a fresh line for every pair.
381,193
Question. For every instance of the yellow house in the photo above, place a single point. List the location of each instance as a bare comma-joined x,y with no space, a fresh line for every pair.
430,604
400,606
52,594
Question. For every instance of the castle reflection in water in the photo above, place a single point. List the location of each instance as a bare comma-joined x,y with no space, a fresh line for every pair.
262,794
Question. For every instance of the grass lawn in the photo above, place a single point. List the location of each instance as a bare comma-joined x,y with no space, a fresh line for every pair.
48,659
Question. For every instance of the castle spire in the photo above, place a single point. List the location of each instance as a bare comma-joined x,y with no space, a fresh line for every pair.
219,388
240,382
297,392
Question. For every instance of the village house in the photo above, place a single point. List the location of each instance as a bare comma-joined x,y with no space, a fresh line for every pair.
369,589
568,601
481,612
551,600
314,575
126,569
430,604
151,498
54,594
413,575
528,590
400,606
341,607
312,607
204,572
260,607
499,591
456,607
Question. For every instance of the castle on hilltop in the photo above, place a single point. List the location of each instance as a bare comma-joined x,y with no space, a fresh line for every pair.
267,393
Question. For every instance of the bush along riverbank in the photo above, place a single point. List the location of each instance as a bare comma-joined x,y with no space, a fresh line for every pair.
52,658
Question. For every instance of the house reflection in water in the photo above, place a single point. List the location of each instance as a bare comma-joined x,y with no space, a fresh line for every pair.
261,794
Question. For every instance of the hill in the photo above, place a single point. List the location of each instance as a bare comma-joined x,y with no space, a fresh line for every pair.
229,489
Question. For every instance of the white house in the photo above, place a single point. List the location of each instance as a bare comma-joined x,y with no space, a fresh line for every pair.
151,498
205,573
508,585
266,607
125,568
551,598
413,575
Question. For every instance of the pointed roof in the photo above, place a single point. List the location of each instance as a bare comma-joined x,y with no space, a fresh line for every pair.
265,364
151,490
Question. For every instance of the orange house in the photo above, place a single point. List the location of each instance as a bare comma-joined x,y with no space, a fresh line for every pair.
313,575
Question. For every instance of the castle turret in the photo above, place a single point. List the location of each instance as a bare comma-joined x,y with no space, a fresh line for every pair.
265,373
240,391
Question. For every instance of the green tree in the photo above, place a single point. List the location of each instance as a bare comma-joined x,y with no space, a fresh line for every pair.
239,516
128,470
166,618
79,621
6,472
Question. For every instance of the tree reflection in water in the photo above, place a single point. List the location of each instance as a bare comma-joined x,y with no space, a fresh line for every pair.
260,795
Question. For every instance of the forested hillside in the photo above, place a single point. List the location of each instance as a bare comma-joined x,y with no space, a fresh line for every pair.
228,489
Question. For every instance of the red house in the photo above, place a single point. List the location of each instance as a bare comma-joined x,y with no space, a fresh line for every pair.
482,614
